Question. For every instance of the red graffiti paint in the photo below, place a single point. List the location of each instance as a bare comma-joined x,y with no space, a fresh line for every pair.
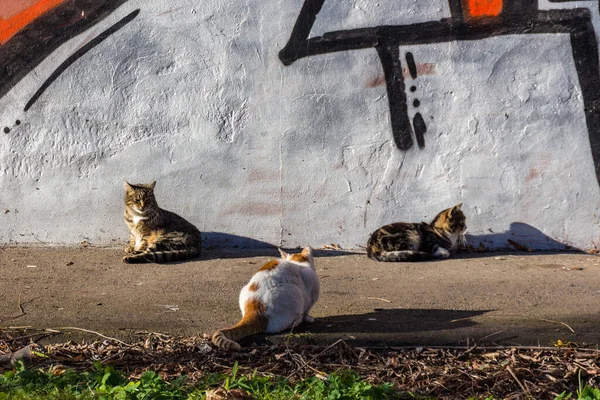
17,14
482,8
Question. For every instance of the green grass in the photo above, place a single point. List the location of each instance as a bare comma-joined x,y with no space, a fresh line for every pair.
106,383
583,393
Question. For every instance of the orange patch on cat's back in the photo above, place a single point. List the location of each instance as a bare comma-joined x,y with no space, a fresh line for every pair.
253,307
153,237
298,258
269,265
253,287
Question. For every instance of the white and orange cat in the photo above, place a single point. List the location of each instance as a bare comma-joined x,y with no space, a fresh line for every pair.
278,297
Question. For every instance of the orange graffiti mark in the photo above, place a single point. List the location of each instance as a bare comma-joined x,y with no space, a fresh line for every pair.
484,8
13,7
13,19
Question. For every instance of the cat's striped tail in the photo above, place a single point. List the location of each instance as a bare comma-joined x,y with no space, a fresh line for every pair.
254,321
162,256
403,255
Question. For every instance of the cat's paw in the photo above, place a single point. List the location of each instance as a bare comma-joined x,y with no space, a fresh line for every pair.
308,319
126,259
129,249
441,253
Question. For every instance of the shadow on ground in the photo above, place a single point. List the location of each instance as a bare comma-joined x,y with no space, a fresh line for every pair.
219,245
394,321
525,238
379,326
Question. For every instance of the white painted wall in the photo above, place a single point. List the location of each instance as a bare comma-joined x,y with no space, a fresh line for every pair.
193,94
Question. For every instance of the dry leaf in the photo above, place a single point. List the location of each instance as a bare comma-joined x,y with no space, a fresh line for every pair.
58,370
224,394
519,246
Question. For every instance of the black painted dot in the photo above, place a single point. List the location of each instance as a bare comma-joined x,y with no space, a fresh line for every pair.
413,88
416,103
6,129
18,122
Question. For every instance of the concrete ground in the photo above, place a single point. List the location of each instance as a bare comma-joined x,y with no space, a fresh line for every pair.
488,299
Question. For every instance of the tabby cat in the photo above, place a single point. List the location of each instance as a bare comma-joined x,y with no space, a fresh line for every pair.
404,241
156,235
278,297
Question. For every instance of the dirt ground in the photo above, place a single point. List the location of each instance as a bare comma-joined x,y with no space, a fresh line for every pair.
488,299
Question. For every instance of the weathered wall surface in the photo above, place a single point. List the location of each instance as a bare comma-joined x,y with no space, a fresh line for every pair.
296,122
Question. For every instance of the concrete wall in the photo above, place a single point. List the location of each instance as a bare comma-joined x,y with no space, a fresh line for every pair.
261,126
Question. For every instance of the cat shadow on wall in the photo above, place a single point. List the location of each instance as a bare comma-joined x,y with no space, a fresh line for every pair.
217,245
398,326
519,236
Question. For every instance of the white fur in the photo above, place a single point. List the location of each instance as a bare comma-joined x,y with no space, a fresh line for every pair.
138,241
440,252
288,292
454,240
458,238
137,218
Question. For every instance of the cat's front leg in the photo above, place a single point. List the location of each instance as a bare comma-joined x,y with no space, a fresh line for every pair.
131,246
143,246
441,252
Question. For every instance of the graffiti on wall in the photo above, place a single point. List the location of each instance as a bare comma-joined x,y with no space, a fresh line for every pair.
32,29
470,20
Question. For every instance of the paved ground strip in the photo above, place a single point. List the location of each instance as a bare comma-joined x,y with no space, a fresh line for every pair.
489,299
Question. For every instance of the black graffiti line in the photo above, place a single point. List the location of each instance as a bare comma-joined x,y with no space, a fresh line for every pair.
552,21
420,129
79,53
302,27
394,79
412,67
520,17
26,49
585,53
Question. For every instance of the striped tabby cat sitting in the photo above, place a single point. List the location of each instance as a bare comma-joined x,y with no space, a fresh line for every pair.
156,235
404,241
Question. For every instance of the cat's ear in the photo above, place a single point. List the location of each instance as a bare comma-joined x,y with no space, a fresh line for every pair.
284,255
151,186
307,251
455,208
128,186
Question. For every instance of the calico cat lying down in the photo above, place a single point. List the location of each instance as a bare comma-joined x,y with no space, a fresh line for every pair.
402,241
278,297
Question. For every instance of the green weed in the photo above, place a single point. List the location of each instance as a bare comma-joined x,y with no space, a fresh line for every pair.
104,382
584,392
